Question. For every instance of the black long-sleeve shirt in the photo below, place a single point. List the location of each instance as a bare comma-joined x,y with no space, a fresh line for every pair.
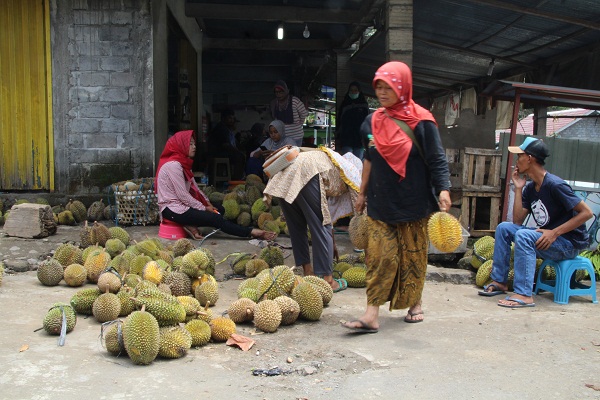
392,200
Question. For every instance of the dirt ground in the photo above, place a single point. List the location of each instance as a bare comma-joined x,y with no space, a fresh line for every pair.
467,347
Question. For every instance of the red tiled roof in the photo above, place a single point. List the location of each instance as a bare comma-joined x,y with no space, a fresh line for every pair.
553,125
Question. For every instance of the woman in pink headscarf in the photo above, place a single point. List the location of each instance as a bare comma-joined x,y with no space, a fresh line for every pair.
405,178
179,198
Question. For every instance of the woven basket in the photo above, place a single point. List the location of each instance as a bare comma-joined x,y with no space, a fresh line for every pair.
136,202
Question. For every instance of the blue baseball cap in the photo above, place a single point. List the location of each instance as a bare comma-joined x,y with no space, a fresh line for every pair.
532,146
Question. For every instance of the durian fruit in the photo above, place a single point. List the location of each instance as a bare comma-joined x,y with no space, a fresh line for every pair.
131,280
322,287
53,321
484,273
207,293
272,226
221,329
510,280
279,281
67,254
57,209
106,307
99,234
120,264
206,314
358,231
339,268
254,266
276,212
148,247
165,307
309,300
290,309
182,246
163,287
195,263
110,212
167,257
114,247
141,337
483,250
95,264
445,232
241,310
50,272
88,250
216,198
85,239
267,316
232,209
239,263
263,218
113,337
109,281
258,207
116,232
137,264
78,209
174,342
244,219
191,305
356,277
153,272
200,332
252,194
180,283
212,263
272,255
127,304
95,211
66,218
75,275
83,300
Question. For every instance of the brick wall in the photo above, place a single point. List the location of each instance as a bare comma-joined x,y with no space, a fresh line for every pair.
102,93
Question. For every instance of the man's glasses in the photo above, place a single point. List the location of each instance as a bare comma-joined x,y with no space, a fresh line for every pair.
278,91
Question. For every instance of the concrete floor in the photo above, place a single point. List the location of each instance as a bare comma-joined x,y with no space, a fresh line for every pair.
467,347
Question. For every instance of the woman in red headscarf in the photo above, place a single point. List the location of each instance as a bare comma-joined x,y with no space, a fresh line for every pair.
179,198
405,178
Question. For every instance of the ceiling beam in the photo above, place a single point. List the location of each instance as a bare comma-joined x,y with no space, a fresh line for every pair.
470,51
269,44
271,13
538,13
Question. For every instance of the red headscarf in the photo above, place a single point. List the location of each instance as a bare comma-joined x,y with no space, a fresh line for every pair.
178,149
392,142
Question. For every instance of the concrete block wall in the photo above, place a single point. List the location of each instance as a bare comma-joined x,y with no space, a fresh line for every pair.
102,93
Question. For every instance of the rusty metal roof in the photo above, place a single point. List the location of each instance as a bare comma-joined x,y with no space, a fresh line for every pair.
544,94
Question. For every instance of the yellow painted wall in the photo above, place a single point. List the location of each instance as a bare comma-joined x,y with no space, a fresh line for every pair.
26,139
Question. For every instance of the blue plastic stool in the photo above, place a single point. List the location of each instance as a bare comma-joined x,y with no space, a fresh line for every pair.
561,286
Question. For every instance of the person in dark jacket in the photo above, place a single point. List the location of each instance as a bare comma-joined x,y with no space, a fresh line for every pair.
352,113
405,179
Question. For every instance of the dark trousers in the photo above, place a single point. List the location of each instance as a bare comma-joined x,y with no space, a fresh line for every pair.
305,212
197,218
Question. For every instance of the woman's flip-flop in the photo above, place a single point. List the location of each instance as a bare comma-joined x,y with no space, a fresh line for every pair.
192,232
342,285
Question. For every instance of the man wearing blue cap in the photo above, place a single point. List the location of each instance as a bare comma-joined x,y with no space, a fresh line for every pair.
560,218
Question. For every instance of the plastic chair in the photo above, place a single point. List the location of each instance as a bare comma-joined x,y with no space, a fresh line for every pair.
220,170
561,286
171,230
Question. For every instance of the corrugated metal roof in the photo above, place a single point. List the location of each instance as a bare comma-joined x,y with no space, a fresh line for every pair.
454,42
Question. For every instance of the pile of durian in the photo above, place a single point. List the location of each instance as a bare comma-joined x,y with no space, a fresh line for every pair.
154,300
244,205
481,260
